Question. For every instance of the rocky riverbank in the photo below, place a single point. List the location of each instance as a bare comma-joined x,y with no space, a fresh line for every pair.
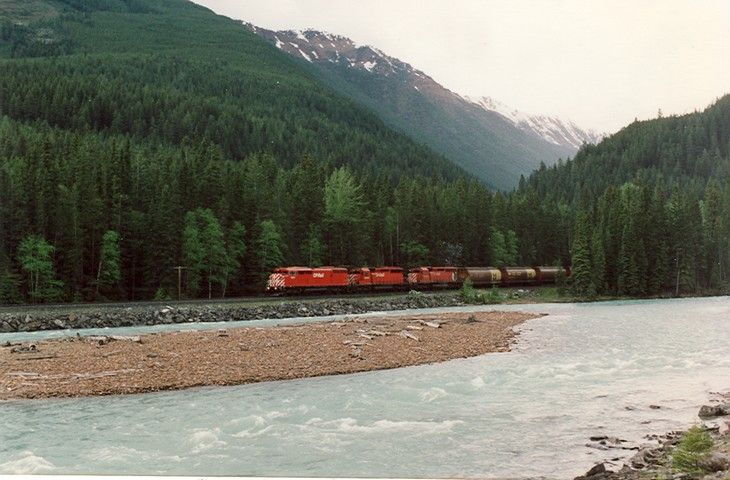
700,453
105,365
62,318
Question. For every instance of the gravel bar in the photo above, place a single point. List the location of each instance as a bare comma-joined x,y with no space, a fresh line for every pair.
108,365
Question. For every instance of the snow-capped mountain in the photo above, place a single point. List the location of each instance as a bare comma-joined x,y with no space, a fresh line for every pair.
482,136
319,47
552,129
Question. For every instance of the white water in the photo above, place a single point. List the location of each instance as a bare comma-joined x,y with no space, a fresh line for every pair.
583,370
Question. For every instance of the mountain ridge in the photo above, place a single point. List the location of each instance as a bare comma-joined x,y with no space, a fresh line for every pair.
483,141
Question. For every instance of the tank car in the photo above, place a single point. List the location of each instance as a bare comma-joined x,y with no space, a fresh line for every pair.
483,276
518,275
550,274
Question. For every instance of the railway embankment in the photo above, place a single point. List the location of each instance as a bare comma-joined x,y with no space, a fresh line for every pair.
105,365
40,318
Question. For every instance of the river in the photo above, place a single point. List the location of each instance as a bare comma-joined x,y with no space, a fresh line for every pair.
583,370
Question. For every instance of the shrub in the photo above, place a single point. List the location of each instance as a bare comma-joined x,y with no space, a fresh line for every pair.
694,444
473,296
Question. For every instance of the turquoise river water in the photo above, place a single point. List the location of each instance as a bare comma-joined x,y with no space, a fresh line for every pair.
583,370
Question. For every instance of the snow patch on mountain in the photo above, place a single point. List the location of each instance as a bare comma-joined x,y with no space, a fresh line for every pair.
552,129
315,46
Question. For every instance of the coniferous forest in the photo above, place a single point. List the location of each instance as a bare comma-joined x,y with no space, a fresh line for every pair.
136,137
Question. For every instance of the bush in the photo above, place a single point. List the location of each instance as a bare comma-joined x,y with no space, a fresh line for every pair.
162,294
695,443
473,296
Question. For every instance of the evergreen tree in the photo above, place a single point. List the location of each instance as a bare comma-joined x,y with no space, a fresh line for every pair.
235,252
313,247
109,272
35,257
269,249
582,270
344,216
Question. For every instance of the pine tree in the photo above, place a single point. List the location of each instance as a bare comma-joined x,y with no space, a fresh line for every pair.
235,252
269,249
109,272
582,270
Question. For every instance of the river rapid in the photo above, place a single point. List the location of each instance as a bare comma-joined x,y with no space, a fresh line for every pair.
583,370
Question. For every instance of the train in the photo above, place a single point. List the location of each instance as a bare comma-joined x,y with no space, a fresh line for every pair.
303,279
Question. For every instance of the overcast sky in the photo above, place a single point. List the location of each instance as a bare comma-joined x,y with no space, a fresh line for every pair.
600,63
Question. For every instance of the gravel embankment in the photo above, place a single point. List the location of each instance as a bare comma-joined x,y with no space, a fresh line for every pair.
105,365
34,319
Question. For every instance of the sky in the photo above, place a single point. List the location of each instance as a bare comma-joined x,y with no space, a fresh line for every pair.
600,63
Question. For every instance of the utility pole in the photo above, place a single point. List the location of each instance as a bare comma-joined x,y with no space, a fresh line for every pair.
676,289
179,280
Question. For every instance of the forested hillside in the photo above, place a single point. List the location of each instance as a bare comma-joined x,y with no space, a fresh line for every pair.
139,136
646,210
136,137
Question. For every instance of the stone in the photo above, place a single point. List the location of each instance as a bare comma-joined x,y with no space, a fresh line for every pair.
407,334
596,470
710,411
714,462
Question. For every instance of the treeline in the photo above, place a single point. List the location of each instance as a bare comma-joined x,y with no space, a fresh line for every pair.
92,216
89,216
649,207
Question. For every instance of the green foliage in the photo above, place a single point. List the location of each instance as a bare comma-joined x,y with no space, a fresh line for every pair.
472,296
504,247
34,255
313,247
695,443
207,258
269,249
344,216
414,254
235,253
582,270
161,295
110,272
9,288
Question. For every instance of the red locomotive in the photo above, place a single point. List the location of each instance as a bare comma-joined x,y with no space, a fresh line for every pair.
293,279
300,279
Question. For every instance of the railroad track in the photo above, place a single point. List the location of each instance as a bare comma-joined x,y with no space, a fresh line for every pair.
195,302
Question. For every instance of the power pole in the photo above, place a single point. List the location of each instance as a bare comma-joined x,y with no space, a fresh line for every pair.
179,281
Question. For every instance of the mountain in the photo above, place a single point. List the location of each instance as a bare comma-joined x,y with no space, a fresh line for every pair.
211,79
140,135
483,141
554,130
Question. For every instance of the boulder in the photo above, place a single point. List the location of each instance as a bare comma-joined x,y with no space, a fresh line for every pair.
714,462
710,411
